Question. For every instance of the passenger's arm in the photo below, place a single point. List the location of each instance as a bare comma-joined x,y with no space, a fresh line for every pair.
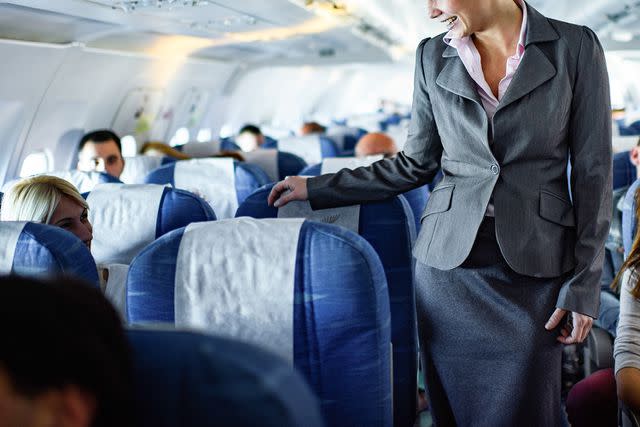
627,347
591,184
416,165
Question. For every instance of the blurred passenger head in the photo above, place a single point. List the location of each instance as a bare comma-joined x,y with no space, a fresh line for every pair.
64,358
311,128
48,200
376,143
634,155
249,138
101,151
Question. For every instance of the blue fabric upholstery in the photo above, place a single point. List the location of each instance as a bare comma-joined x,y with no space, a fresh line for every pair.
346,139
289,164
341,318
624,172
45,250
179,208
629,220
248,178
417,198
379,221
211,381
328,147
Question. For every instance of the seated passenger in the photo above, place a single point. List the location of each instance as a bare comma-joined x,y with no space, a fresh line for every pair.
160,149
54,201
312,128
627,344
614,256
376,143
101,151
250,138
64,358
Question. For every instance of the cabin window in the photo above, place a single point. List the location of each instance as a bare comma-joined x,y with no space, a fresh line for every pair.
129,147
204,135
36,163
182,136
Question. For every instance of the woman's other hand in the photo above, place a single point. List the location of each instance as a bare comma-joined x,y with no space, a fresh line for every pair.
292,188
573,332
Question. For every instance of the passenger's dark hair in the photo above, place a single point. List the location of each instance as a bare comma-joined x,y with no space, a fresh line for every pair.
100,136
251,129
64,332
633,260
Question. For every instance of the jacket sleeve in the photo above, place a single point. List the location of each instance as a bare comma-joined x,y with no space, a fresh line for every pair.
591,181
416,165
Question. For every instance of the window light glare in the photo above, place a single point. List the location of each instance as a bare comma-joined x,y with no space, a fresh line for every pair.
35,163
204,135
181,137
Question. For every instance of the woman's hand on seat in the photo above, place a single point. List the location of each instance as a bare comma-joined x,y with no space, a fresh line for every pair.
292,188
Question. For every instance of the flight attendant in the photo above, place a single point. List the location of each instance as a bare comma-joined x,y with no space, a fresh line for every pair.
509,261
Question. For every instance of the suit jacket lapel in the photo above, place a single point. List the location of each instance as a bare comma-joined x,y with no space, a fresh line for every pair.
455,78
535,68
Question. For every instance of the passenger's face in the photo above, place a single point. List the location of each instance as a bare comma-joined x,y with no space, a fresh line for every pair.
454,14
68,407
102,157
74,218
248,141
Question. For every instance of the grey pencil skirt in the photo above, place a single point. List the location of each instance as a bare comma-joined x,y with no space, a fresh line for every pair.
487,358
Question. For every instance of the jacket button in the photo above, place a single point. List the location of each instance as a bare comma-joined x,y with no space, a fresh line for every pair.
495,169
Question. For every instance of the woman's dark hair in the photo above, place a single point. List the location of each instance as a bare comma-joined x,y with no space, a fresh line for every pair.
633,260
64,332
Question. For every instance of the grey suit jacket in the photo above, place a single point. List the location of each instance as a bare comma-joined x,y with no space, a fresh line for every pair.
556,105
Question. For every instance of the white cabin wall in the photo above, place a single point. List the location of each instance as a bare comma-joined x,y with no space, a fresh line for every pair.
284,97
62,89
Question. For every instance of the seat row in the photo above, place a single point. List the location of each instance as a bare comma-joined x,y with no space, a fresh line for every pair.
373,271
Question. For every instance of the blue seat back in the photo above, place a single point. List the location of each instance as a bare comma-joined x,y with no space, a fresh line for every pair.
379,221
341,322
416,198
46,250
624,172
248,178
211,381
289,164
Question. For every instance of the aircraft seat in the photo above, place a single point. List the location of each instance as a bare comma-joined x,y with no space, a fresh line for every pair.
222,182
197,149
215,382
276,164
138,167
629,218
311,148
33,249
126,218
624,172
417,198
325,308
377,222
345,137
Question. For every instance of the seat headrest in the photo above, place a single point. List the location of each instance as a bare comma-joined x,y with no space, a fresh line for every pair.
213,381
126,218
33,249
83,181
138,167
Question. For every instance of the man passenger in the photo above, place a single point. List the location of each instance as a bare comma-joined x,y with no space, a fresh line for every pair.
376,143
101,151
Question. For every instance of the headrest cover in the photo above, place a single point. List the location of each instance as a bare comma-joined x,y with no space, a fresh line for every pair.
334,164
124,220
136,168
307,147
212,179
267,160
226,282
201,149
347,216
9,234
83,181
